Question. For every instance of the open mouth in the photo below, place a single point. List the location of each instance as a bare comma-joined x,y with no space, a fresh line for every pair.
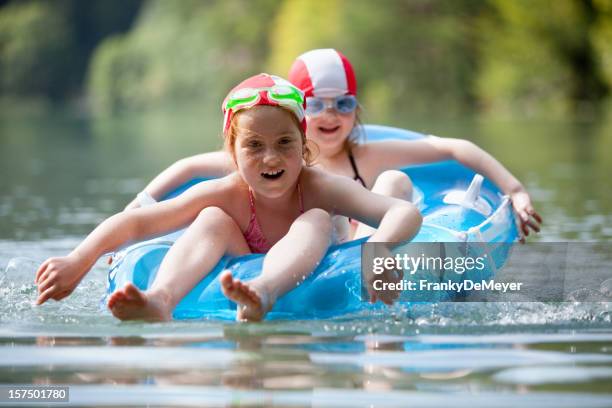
328,129
272,175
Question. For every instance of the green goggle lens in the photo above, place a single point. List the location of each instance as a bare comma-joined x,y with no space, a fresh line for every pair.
283,95
241,100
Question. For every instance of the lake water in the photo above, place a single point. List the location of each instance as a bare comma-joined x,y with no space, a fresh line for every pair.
61,175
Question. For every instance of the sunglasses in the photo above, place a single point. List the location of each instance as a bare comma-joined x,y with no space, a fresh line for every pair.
342,104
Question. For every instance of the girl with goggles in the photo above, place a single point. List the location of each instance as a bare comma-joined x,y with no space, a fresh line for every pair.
273,203
327,79
342,104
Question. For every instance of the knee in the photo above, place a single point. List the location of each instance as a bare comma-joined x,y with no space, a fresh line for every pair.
394,183
319,219
213,218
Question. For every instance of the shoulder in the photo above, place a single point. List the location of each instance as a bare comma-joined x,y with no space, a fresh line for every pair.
317,177
366,150
230,184
229,193
375,157
322,188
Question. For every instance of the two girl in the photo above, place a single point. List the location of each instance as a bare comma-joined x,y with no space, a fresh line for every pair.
332,113
273,202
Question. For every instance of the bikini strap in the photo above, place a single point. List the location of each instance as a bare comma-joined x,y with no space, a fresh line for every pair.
299,187
251,203
355,170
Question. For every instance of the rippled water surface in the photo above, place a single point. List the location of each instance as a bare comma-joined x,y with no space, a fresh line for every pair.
61,176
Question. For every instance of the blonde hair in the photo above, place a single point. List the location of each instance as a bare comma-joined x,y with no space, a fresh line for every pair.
357,134
229,138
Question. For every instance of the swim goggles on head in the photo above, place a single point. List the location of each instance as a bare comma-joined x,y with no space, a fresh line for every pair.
342,104
286,96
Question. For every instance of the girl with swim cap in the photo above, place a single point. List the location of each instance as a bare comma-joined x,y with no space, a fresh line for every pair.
273,202
328,80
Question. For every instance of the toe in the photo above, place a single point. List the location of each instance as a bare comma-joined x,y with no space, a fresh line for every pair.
240,287
115,297
132,291
226,279
252,295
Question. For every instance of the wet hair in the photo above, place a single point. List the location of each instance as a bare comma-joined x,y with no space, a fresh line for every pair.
308,146
358,134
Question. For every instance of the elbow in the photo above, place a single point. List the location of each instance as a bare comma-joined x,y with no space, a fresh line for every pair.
125,224
411,218
460,149
415,215
185,168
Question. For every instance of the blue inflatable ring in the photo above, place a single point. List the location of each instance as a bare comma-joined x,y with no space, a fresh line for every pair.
457,206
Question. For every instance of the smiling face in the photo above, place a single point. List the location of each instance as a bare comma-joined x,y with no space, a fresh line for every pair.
330,129
268,149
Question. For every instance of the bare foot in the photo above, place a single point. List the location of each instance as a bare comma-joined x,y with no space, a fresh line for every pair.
253,302
130,303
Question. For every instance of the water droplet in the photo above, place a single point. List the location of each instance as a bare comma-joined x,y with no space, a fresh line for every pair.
606,287
586,295
19,271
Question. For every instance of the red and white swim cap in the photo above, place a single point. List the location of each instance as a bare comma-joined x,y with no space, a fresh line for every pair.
323,73
264,89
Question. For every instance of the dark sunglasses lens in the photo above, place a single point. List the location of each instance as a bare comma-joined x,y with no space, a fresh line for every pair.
346,104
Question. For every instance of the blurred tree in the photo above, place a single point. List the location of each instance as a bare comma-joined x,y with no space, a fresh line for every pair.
187,50
45,45
415,55
412,57
538,58
35,41
601,37
302,25
94,20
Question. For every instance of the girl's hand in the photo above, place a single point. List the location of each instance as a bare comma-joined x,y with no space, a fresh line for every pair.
385,296
529,218
56,278
387,276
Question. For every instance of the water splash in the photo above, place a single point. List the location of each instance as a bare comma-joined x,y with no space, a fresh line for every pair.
18,293
20,271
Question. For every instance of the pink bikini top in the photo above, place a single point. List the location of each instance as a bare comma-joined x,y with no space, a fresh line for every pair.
253,235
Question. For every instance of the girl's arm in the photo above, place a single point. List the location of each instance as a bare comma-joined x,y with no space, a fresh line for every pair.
57,277
212,164
402,153
397,220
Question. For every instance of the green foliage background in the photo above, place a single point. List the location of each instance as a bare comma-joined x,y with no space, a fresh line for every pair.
434,57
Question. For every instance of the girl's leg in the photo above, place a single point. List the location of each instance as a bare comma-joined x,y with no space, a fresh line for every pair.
391,183
193,256
288,263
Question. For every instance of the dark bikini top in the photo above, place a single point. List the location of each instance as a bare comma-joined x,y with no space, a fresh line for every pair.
357,177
